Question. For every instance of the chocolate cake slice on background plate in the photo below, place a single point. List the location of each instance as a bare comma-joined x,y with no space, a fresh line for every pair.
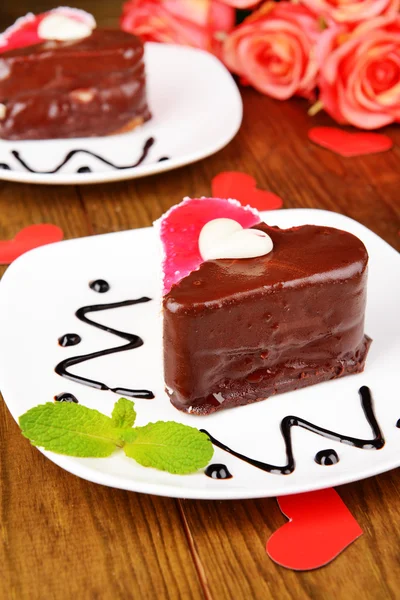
60,77
251,310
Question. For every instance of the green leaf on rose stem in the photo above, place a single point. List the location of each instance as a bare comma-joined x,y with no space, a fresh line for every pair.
168,446
72,429
123,414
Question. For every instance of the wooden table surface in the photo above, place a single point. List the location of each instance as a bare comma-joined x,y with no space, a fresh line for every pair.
63,537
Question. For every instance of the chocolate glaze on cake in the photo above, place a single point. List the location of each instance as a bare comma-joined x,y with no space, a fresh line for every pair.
239,331
91,87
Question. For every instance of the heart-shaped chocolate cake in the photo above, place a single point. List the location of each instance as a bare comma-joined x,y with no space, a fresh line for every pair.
238,330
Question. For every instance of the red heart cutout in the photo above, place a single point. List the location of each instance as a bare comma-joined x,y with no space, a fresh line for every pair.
243,187
320,527
349,144
27,239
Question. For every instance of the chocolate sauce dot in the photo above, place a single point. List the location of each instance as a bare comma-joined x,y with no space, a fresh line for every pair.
69,339
218,471
100,286
5,167
163,158
398,424
84,170
327,457
66,397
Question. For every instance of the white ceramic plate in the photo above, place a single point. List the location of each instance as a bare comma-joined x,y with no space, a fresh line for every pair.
41,291
197,110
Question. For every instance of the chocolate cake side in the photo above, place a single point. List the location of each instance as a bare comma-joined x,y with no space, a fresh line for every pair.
239,331
90,87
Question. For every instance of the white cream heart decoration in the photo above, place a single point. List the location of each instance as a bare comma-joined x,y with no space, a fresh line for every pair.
226,238
63,28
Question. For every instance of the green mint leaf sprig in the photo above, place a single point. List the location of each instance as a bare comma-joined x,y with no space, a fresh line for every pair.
123,414
75,430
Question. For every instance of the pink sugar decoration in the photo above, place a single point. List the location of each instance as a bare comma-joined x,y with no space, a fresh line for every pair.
180,229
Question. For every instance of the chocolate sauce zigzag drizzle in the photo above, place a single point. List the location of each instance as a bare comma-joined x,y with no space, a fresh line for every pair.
134,341
376,443
145,150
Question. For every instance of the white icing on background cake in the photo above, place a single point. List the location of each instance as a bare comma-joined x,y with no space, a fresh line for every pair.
63,28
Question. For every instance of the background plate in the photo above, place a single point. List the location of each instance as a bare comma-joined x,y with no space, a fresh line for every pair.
196,107
41,291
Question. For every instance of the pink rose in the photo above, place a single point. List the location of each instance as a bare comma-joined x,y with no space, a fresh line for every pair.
352,11
360,73
273,50
199,23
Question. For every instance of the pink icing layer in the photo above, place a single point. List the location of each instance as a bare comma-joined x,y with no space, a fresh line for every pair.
180,229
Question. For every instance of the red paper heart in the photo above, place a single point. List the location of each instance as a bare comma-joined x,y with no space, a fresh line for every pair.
320,527
27,239
243,187
349,144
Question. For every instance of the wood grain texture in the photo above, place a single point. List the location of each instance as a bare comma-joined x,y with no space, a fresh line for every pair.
63,537
22,205
230,539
